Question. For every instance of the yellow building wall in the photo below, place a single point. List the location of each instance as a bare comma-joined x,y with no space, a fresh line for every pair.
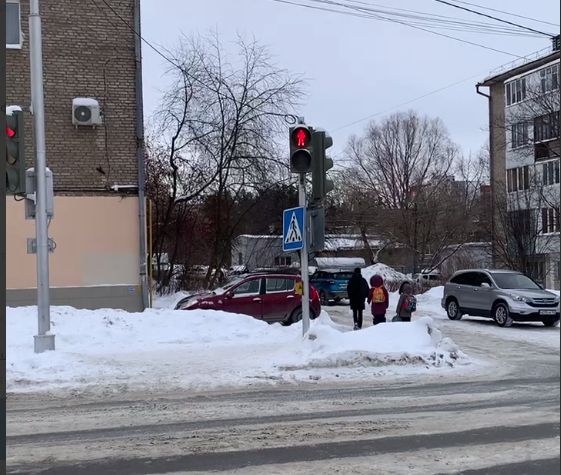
97,243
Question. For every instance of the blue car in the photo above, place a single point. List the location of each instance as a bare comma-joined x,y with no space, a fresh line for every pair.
331,284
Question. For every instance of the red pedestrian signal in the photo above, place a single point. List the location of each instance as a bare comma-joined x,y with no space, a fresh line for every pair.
301,137
15,153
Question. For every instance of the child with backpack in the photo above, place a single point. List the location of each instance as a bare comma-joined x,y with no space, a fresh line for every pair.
407,303
379,299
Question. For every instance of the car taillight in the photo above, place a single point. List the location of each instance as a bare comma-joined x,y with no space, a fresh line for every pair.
314,294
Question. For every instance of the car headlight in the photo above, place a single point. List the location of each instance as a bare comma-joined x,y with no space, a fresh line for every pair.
556,299
190,303
518,298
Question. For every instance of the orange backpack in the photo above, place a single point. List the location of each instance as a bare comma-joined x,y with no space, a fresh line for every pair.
378,295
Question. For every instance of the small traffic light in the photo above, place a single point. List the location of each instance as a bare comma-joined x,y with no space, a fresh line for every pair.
321,185
15,153
301,149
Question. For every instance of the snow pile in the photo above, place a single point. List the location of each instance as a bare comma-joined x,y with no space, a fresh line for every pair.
418,342
110,350
388,274
169,300
432,298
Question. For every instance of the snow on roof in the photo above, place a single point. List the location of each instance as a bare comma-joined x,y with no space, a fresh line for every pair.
11,109
325,262
84,101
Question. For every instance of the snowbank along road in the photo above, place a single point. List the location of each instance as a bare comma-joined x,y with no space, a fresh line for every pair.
500,423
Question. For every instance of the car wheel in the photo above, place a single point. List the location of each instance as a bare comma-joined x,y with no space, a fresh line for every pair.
453,310
501,315
296,316
552,322
323,298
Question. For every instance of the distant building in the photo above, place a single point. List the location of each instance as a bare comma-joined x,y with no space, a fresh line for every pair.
90,53
260,251
524,157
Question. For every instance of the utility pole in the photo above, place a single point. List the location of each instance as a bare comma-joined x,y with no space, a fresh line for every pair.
302,201
44,340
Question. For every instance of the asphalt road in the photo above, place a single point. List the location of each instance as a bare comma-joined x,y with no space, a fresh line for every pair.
503,422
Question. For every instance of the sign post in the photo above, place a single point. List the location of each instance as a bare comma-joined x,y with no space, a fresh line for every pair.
294,239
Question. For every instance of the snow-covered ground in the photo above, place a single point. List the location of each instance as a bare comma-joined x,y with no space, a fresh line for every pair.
110,350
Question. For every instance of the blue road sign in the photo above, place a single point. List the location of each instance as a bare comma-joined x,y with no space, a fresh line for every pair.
293,229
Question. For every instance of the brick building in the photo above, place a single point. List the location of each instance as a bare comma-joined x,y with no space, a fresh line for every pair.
89,51
525,146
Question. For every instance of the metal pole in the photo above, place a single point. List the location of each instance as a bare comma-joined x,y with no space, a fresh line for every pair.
44,340
304,259
150,254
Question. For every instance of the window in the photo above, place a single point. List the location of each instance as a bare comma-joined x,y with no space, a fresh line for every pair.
550,220
546,127
549,78
283,261
248,288
508,280
515,91
468,278
521,222
280,285
518,179
519,135
13,24
550,173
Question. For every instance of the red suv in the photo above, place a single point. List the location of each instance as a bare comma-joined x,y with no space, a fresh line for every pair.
268,297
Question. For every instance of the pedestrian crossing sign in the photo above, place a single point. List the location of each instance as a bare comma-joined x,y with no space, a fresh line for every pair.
293,229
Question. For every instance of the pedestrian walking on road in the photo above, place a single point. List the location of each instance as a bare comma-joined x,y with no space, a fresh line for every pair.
407,303
357,290
379,299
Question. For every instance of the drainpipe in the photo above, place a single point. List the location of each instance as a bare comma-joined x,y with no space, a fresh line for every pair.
140,154
491,168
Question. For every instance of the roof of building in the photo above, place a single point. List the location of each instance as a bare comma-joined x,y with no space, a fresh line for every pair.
522,66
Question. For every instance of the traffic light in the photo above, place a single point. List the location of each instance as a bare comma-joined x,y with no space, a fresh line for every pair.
15,153
321,185
301,149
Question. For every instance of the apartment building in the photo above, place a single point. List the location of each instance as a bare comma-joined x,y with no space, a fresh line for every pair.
524,103
94,145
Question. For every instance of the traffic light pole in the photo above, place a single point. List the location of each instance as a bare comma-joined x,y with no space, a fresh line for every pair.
302,201
44,340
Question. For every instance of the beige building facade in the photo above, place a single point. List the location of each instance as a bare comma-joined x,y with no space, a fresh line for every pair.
90,54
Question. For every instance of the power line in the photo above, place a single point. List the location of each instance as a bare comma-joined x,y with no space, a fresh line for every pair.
507,13
436,91
459,24
444,2
378,17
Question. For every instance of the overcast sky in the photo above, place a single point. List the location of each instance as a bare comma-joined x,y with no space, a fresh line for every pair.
361,67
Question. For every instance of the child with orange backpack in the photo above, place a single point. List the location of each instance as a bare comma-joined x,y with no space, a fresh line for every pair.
379,299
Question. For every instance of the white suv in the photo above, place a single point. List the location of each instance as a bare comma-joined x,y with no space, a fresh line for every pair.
506,296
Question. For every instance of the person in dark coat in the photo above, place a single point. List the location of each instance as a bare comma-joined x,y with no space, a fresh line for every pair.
357,290
379,299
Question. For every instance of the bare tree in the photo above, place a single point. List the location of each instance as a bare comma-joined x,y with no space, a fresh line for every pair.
225,117
407,168
526,230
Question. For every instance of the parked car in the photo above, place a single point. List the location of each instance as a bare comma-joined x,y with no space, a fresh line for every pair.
270,297
504,295
331,284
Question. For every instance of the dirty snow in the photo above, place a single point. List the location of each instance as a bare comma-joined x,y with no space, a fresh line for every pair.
116,350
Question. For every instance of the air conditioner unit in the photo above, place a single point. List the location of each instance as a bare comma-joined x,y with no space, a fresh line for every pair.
86,112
